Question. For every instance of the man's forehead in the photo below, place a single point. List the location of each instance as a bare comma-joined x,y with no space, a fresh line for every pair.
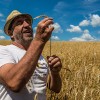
21,17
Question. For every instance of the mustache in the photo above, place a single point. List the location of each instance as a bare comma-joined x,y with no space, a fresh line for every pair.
27,30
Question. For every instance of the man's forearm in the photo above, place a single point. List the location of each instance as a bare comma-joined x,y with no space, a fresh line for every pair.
21,72
55,82
31,57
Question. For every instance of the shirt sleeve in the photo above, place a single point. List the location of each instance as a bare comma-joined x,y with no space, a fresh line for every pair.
5,56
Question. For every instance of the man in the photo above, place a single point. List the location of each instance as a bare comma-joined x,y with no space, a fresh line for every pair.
23,70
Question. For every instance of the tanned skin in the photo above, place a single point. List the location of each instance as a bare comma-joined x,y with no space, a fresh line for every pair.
15,76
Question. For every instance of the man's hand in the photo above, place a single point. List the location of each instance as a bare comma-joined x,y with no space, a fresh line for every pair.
54,63
43,32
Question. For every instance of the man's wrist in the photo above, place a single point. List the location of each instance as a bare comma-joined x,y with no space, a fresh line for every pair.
39,40
54,73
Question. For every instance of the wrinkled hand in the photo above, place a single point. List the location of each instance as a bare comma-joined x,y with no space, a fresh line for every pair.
54,63
43,32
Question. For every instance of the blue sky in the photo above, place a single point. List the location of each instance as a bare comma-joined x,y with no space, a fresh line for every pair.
74,20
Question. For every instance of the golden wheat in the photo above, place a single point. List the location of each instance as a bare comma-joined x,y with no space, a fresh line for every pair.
5,42
81,69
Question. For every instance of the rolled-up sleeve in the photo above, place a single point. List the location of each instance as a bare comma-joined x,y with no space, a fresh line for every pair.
5,56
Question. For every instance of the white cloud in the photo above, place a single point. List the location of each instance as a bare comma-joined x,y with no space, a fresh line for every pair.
1,15
2,20
35,29
2,37
90,1
77,39
55,38
98,32
85,37
84,23
60,6
74,29
1,31
57,28
95,20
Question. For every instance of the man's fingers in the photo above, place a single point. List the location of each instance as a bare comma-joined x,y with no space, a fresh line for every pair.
56,67
44,25
51,57
48,22
43,30
44,20
54,61
49,30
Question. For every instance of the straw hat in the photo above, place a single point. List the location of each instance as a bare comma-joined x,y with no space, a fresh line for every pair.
10,18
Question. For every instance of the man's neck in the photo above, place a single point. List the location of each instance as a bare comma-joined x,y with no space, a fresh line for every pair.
25,47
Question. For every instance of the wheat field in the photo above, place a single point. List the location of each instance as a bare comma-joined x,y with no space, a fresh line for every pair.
80,72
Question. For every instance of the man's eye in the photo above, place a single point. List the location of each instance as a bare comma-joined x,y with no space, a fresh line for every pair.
28,22
19,23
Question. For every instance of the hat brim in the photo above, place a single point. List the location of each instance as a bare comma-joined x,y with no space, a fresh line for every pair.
6,27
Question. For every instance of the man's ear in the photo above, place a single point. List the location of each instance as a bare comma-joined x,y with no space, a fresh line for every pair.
12,38
11,35
10,32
